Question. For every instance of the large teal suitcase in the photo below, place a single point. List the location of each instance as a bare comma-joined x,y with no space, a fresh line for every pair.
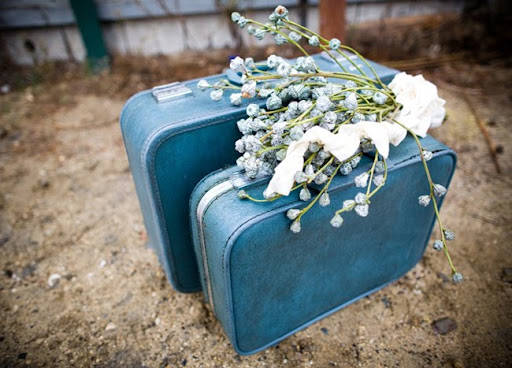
265,282
174,136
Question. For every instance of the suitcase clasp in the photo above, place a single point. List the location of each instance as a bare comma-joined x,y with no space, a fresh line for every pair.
170,91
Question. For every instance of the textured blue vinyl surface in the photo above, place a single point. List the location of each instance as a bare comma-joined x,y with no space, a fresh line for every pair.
268,282
170,147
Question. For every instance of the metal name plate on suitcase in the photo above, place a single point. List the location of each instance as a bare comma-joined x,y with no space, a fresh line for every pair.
174,136
265,282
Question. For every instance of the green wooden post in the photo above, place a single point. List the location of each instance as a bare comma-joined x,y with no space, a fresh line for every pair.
92,36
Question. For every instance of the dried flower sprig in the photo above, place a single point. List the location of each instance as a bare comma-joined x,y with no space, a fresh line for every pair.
316,124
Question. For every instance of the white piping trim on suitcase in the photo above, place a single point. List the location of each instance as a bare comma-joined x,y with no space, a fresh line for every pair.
204,203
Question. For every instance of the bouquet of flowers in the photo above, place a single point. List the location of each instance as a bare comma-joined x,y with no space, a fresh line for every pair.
317,124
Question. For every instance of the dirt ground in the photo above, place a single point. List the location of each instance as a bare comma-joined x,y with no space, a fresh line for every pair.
68,207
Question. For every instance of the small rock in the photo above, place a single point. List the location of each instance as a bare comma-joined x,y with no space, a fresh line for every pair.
103,263
387,302
444,325
54,280
110,239
324,330
29,270
43,183
506,275
5,89
110,327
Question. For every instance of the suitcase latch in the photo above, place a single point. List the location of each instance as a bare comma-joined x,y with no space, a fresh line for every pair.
170,91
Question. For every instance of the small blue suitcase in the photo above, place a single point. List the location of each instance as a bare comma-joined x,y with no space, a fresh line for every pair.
174,136
264,282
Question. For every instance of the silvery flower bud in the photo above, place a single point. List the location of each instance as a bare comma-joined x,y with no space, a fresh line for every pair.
279,39
346,169
242,194
249,89
439,190
240,146
236,99
371,117
324,103
334,44
293,108
438,245
309,170
324,200
203,85
361,198
427,155
296,133
251,30
260,33
252,110
314,147
237,64
314,41
367,146
276,140
284,69
362,209
273,61
305,194
378,180
308,64
329,170
380,98
448,234
265,92
305,92
244,126
424,200
300,177
326,126
287,140
216,94
242,22
350,84
329,117
281,155
235,16
457,277
294,36
357,118
304,105
323,155
274,102
293,213
295,227
348,204
355,161
361,180
249,63
350,102
321,179
380,167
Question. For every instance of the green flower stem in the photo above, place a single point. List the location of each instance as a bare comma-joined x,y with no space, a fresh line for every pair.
277,196
324,189
341,53
372,171
276,29
383,182
321,170
271,148
432,196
